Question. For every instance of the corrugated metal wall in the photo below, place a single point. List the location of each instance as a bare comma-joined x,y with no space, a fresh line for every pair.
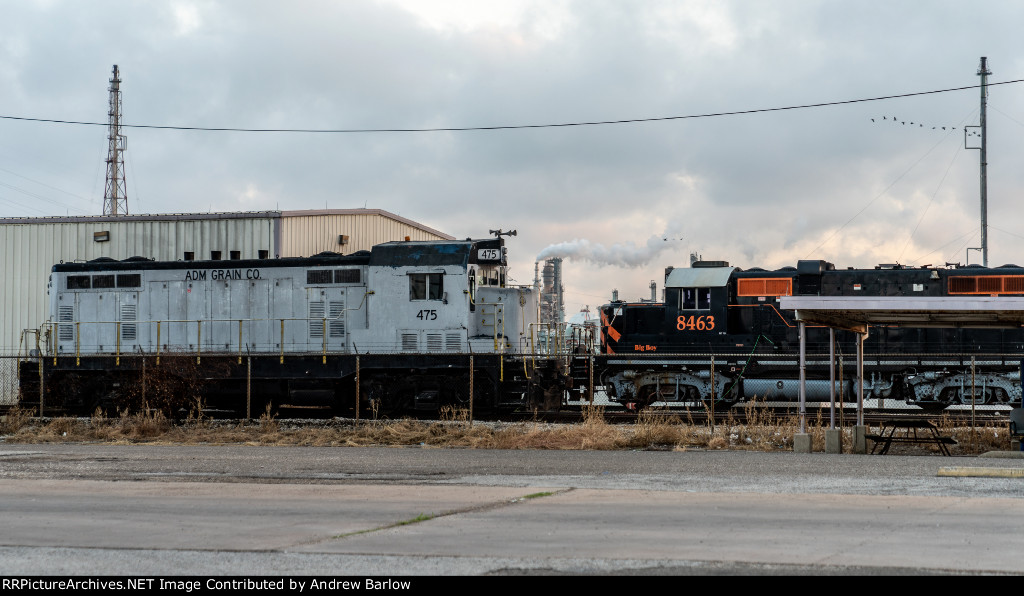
305,233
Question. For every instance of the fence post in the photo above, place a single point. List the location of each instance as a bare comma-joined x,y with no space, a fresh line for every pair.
248,387
471,390
357,386
803,377
590,386
41,377
842,390
974,399
712,395
832,377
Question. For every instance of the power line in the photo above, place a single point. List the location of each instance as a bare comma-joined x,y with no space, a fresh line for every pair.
508,127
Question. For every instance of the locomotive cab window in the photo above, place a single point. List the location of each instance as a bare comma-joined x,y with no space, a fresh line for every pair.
489,276
695,299
426,286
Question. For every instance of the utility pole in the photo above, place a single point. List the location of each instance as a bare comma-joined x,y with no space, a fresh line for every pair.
983,72
115,197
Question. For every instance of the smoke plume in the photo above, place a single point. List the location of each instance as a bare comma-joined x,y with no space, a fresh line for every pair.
626,254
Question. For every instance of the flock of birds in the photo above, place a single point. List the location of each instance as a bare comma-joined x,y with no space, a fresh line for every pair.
896,120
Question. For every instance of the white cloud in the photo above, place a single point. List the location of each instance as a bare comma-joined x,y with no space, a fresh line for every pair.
186,17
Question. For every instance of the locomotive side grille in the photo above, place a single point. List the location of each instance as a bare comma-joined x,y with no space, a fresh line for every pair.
962,285
778,287
103,281
990,284
410,342
346,276
321,276
79,282
766,286
129,280
434,342
1013,284
987,284
335,323
128,318
66,314
453,342
750,287
316,319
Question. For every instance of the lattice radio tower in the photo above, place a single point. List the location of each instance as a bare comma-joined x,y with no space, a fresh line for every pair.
115,197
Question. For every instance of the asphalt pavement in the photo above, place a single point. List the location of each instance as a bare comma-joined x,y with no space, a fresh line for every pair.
88,509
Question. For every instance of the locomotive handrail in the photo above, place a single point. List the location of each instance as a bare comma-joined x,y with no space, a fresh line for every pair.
535,344
199,323
117,328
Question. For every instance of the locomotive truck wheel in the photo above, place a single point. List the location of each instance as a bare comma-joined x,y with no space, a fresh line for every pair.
644,398
722,402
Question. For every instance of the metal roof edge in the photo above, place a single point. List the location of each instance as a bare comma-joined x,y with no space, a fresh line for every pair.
381,212
141,217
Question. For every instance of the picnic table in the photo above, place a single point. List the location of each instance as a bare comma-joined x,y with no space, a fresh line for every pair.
914,430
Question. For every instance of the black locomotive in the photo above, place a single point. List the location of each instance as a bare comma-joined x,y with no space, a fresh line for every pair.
720,337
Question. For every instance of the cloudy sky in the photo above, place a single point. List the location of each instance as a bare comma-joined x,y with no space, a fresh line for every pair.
761,186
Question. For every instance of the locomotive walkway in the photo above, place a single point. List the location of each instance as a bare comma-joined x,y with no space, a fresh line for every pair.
145,510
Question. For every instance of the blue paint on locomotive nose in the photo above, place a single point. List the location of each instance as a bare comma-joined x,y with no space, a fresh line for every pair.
402,254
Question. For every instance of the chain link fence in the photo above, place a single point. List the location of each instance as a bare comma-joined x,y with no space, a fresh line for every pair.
904,382
8,380
987,384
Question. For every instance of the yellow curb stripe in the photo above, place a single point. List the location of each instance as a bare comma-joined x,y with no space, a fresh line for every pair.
983,472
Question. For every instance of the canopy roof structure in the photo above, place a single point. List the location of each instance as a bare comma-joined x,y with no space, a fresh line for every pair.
856,313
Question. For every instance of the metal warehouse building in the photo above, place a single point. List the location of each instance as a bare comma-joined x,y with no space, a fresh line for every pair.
31,246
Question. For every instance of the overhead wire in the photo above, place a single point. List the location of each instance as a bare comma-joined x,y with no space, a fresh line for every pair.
969,234
508,127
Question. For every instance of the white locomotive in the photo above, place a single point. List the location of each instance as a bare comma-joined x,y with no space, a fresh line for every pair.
414,311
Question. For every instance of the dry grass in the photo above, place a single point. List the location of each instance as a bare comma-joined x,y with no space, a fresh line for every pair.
761,430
